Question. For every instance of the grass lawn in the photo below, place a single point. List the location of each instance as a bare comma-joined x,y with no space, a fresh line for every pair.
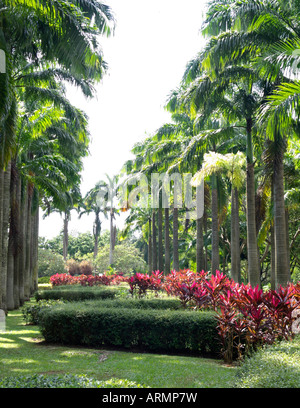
23,352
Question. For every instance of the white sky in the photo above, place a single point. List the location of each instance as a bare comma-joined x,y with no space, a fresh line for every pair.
147,56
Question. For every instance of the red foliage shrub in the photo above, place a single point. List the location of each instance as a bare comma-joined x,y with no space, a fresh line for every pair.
61,279
184,284
84,280
140,283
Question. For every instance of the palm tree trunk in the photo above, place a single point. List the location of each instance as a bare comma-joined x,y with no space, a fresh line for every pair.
154,243
27,282
96,232
18,283
167,243
160,241
10,273
273,278
287,238
252,247
150,263
23,226
235,237
282,270
96,247
114,237
215,261
175,240
5,224
1,235
66,236
111,246
35,243
12,280
199,245
205,232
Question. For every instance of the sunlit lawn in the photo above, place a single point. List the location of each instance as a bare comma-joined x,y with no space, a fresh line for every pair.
22,351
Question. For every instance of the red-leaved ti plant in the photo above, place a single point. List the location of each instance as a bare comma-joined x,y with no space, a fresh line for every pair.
140,283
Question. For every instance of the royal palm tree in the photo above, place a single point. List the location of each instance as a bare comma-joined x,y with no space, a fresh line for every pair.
108,196
42,168
64,37
94,202
233,166
219,80
269,35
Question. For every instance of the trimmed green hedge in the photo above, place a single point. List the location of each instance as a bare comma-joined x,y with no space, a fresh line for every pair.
135,303
31,311
64,381
153,330
76,294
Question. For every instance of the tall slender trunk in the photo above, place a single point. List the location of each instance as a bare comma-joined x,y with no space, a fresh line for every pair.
175,240
282,270
160,241
23,229
1,237
34,245
215,261
272,237
252,246
12,279
18,282
199,245
154,243
111,246
27,282
96,233
273,277
287,239
10,273
205,246
66,235
150,263
167,243
235,237
96,246
114,237
5,224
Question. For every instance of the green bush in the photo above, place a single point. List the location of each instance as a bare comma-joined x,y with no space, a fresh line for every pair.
64,381
154,303
50,263
72,293
127,259
31,311
274,366
152,330
44,279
